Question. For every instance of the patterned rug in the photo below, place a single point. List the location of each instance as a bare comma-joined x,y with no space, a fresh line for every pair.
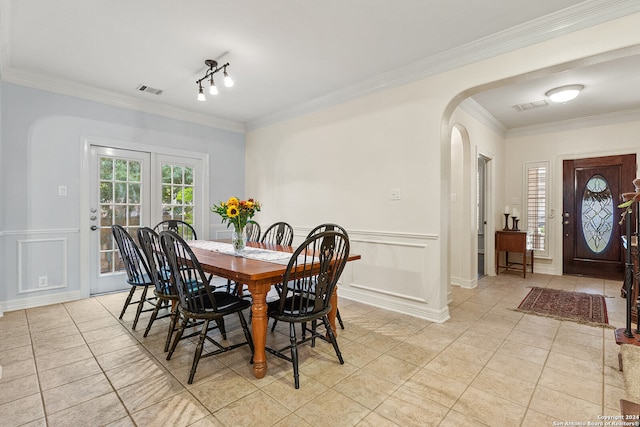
589,309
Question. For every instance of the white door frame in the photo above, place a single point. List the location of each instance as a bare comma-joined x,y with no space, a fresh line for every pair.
489,211
202,217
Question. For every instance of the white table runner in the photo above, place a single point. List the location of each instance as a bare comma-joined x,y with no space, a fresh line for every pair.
248,252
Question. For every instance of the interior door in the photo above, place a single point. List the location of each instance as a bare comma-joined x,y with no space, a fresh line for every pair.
482,222
120,194
591,230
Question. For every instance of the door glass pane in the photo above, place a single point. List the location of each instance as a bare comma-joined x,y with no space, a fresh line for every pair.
106,168
121,170
134,193
166,174
106,192
121,192
597,213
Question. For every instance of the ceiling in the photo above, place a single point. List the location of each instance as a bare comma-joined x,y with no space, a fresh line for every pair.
290,56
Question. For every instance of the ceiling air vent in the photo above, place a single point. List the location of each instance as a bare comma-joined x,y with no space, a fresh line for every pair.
530,105
145,88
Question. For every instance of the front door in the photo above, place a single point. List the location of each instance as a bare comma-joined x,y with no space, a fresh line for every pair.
120,194
591,230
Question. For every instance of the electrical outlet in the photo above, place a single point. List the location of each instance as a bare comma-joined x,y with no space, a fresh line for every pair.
62,190
395,194
43,281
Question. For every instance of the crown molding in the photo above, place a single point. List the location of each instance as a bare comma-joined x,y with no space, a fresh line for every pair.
579,123
583,15
481,114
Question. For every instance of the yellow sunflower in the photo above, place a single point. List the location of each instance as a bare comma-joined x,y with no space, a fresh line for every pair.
232,211
233,201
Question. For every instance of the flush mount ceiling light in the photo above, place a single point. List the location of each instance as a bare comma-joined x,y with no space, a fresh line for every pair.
564,93
213,68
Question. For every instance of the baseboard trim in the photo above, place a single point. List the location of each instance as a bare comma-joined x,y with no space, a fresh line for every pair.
403,306
464,283
38,301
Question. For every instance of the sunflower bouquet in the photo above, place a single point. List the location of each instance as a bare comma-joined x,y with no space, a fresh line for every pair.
237,212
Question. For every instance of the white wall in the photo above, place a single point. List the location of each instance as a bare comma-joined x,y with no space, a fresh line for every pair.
475,139
41,139
340,164
556,146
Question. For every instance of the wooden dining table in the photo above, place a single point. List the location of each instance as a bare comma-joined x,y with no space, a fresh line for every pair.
259,276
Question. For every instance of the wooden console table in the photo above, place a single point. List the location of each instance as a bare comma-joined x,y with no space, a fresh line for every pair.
513,241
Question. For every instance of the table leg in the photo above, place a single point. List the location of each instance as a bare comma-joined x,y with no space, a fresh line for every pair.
334,310
259,321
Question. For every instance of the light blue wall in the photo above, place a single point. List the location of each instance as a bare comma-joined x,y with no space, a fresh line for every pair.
40,148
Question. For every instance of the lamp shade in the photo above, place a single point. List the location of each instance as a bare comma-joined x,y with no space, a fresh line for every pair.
564,93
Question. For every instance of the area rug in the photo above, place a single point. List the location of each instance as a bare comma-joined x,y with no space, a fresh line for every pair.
580,307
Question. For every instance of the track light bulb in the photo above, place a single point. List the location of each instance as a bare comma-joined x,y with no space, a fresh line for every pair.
228,82
201,95
213,90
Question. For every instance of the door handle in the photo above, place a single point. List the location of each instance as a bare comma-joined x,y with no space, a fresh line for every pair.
94,227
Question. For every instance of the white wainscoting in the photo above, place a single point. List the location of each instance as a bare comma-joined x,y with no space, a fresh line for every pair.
31,255
397,271
42,258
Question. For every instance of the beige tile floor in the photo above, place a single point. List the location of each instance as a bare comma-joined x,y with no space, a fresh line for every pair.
75,364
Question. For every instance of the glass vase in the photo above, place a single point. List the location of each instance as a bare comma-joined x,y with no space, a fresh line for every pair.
239,239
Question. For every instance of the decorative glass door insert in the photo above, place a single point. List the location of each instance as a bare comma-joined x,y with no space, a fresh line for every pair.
597,213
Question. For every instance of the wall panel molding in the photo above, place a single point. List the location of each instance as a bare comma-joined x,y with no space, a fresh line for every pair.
42,258
400,305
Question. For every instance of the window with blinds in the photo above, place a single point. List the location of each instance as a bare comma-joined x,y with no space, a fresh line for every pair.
536,183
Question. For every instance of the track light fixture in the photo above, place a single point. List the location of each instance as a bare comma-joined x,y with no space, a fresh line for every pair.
213,68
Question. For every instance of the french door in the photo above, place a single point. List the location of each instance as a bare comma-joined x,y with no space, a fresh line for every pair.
120,194
133,189
591,230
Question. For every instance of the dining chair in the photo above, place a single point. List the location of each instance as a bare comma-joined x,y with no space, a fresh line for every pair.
330,227
253,231
279,233
313,271
182,228
165,289
317,230
199,301
137,269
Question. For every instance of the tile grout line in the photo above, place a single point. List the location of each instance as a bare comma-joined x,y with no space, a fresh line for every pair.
99,365
35,363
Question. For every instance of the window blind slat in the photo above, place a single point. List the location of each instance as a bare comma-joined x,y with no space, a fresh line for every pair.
536,206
